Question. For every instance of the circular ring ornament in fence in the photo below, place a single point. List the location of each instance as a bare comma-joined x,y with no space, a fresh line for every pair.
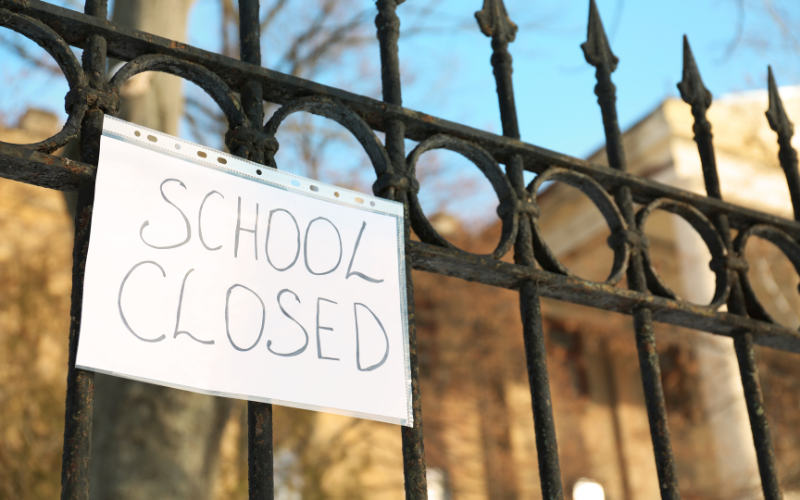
720,263
620,240
213,85
61,52
784,242
341,114
508,210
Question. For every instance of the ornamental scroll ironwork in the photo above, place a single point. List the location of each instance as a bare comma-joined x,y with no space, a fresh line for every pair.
60,51
238,87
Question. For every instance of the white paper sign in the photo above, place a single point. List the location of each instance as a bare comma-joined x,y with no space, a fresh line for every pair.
216,275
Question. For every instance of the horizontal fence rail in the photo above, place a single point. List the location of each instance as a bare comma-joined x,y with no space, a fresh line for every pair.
240,87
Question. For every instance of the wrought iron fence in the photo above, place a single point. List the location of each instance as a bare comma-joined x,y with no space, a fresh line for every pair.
612,190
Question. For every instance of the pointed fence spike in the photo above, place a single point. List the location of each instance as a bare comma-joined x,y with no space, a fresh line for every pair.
596,48
692,89
494,22
783,127
776,114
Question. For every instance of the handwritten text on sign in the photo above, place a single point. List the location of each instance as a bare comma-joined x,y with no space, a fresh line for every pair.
207,281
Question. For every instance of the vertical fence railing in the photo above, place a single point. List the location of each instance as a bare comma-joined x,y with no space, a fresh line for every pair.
494,22
77,454
249,138
388,26
598,54
787,156
694,93
261,484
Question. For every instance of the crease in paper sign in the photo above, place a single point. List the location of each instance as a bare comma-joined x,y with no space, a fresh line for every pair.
217,275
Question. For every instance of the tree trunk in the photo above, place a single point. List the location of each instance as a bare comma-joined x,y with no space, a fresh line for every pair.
154,100
149,441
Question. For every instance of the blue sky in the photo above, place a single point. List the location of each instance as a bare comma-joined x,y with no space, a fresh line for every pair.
446,69
554,85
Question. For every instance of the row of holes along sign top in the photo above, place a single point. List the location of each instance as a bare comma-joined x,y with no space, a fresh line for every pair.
611,190
180,145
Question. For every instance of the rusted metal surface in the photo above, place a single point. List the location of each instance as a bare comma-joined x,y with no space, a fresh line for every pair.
598,54
19,163
694,93
784,128
720,259
332,109
414,469
77,455
195,73
765,453
492,272
518,209
260,478
654,401
249,144
387,23
240,87
509,209
784,242
621,240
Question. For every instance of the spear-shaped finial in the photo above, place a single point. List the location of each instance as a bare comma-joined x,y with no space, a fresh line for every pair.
596,48
598,53
698,97
692,89
494,21
779,122
776,114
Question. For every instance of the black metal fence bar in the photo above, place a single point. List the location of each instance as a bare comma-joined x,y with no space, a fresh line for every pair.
598,54
388,31
695,94
647,298
261,484
784,129
494,22
489,271
43,170
77,454
762,438
125,43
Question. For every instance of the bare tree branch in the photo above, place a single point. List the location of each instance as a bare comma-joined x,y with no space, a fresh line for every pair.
738,34
271,14
44,62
